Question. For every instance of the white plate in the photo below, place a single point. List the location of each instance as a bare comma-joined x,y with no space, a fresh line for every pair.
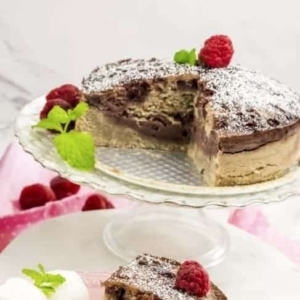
141,173
252,269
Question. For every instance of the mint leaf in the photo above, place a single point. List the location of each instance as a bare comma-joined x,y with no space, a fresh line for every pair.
48,124
192,57
41,269
55,278
76,148
181,57
34,275
47,290
58,115
78,111
186,57
46,282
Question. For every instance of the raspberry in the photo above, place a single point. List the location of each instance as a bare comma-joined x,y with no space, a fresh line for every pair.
67,92
193,278
95,202
63,187
50,104
35,195
217,52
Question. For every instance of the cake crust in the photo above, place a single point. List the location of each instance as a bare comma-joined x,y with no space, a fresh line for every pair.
151,278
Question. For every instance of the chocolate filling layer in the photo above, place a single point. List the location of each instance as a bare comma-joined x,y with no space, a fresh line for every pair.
163,108
135,106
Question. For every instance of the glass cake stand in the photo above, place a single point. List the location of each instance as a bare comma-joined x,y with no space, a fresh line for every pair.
168,191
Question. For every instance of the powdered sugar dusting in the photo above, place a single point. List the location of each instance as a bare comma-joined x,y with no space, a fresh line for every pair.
157,276
126,71
247,101
244,101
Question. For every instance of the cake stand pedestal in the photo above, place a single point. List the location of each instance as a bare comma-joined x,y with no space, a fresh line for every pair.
169,191
192,236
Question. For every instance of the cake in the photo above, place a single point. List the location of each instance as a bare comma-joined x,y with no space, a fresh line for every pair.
151,277
238,126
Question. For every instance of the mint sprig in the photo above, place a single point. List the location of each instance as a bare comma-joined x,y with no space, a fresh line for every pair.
46,282
75,147
186,57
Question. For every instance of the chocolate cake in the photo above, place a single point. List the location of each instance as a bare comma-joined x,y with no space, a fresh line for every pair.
151,278
238,126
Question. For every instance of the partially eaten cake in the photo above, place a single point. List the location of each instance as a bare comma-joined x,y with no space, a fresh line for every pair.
238,126
154,278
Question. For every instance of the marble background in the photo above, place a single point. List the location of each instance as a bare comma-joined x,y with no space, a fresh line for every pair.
49,42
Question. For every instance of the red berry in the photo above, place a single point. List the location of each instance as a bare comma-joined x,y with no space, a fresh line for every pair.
95,202
67,92
50,104
193,278
35,195
63,187
217,52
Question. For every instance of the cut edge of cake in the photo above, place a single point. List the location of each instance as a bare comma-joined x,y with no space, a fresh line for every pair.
227,150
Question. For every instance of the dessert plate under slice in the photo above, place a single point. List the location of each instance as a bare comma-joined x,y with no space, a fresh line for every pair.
153,176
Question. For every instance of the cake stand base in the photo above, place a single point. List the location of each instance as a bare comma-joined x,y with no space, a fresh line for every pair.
177,232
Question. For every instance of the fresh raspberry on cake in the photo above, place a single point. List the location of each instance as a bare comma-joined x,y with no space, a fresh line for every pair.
63,187
217,52
193,278
67,92
35,195
95,202
51,103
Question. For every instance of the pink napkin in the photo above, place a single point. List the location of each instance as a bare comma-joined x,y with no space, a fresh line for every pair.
18,169
254,221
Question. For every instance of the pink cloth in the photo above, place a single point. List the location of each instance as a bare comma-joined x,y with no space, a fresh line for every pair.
18,169
254,221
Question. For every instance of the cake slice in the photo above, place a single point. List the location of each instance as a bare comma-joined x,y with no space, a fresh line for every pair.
156,278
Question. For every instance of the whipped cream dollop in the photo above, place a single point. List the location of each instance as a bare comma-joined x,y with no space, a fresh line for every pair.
72,289
20,289
24,289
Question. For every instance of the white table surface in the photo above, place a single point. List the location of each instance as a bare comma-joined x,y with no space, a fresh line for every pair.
252,270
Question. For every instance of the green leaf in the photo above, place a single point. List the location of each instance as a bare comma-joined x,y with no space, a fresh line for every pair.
48,124
41,269
55,278
78,111
46,282
76,148
47,290
192,57
181,57
186,57
34,275
58,115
